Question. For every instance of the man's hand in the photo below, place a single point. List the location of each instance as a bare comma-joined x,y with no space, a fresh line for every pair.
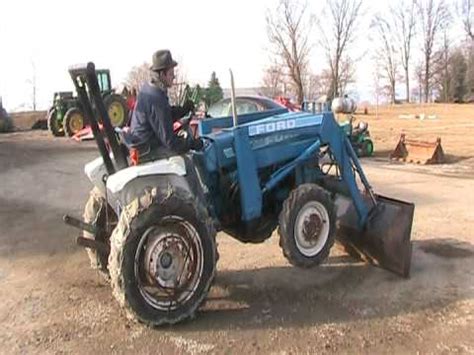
185,122
197,144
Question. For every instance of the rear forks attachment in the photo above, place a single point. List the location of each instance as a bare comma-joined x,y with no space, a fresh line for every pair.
86,242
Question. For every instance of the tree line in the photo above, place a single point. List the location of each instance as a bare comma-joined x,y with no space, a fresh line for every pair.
181,91
411,45
411,39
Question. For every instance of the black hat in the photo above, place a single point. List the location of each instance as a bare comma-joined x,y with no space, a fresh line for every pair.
162,60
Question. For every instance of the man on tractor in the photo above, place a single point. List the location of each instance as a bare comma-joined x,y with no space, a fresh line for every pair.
152,135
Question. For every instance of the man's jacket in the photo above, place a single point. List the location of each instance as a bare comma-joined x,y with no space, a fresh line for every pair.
152,121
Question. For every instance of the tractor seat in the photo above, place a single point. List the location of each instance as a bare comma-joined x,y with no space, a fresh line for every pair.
139,153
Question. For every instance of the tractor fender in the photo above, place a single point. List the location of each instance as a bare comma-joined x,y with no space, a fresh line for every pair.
174,165
96,172
190,181
127,184
187,179
137,187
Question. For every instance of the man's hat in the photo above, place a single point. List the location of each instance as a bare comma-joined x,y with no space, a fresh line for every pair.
162,60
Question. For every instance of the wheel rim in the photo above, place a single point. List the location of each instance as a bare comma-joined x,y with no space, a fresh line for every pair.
76,122
169,263
311,228
116,113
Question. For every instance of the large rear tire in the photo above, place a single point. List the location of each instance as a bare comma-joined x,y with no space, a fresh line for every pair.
116,107
104,219
367,148
73,121
53,126
163,257
307,226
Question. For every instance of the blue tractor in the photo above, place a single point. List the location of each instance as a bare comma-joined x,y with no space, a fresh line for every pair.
151,227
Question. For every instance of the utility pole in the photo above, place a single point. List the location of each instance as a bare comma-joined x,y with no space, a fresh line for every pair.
32,82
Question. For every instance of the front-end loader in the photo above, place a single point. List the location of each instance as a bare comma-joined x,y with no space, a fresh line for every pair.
151,227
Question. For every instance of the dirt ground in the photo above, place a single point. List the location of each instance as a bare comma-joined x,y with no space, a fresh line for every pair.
454,124
53,303
28,120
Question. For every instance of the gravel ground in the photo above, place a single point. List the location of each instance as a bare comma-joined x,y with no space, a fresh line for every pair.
52,302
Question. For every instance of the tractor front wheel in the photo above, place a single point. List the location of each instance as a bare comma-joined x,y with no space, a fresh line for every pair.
307,226
163,257
73,121
53,125
116,107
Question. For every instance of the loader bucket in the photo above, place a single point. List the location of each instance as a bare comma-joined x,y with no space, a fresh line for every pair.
385,240
416,151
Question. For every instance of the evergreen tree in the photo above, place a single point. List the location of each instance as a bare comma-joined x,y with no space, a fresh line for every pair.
199,94
458,76
214,91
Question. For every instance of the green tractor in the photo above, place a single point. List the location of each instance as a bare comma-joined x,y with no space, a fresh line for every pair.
360,137
66,116
359,134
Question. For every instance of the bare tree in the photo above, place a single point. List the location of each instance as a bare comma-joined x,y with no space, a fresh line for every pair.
386,52
434,17
32,81
338,28
347,74
177,92
273,81
288,31
470,71
420,78
442,77
467,16
318,85
377,87
404,20
325,81
138,76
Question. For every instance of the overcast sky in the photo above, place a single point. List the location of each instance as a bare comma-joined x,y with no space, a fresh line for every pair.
204,36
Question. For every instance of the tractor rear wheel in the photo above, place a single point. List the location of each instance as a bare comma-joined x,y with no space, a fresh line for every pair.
163,257
116,107
307,226
53,125
105,220
73,121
